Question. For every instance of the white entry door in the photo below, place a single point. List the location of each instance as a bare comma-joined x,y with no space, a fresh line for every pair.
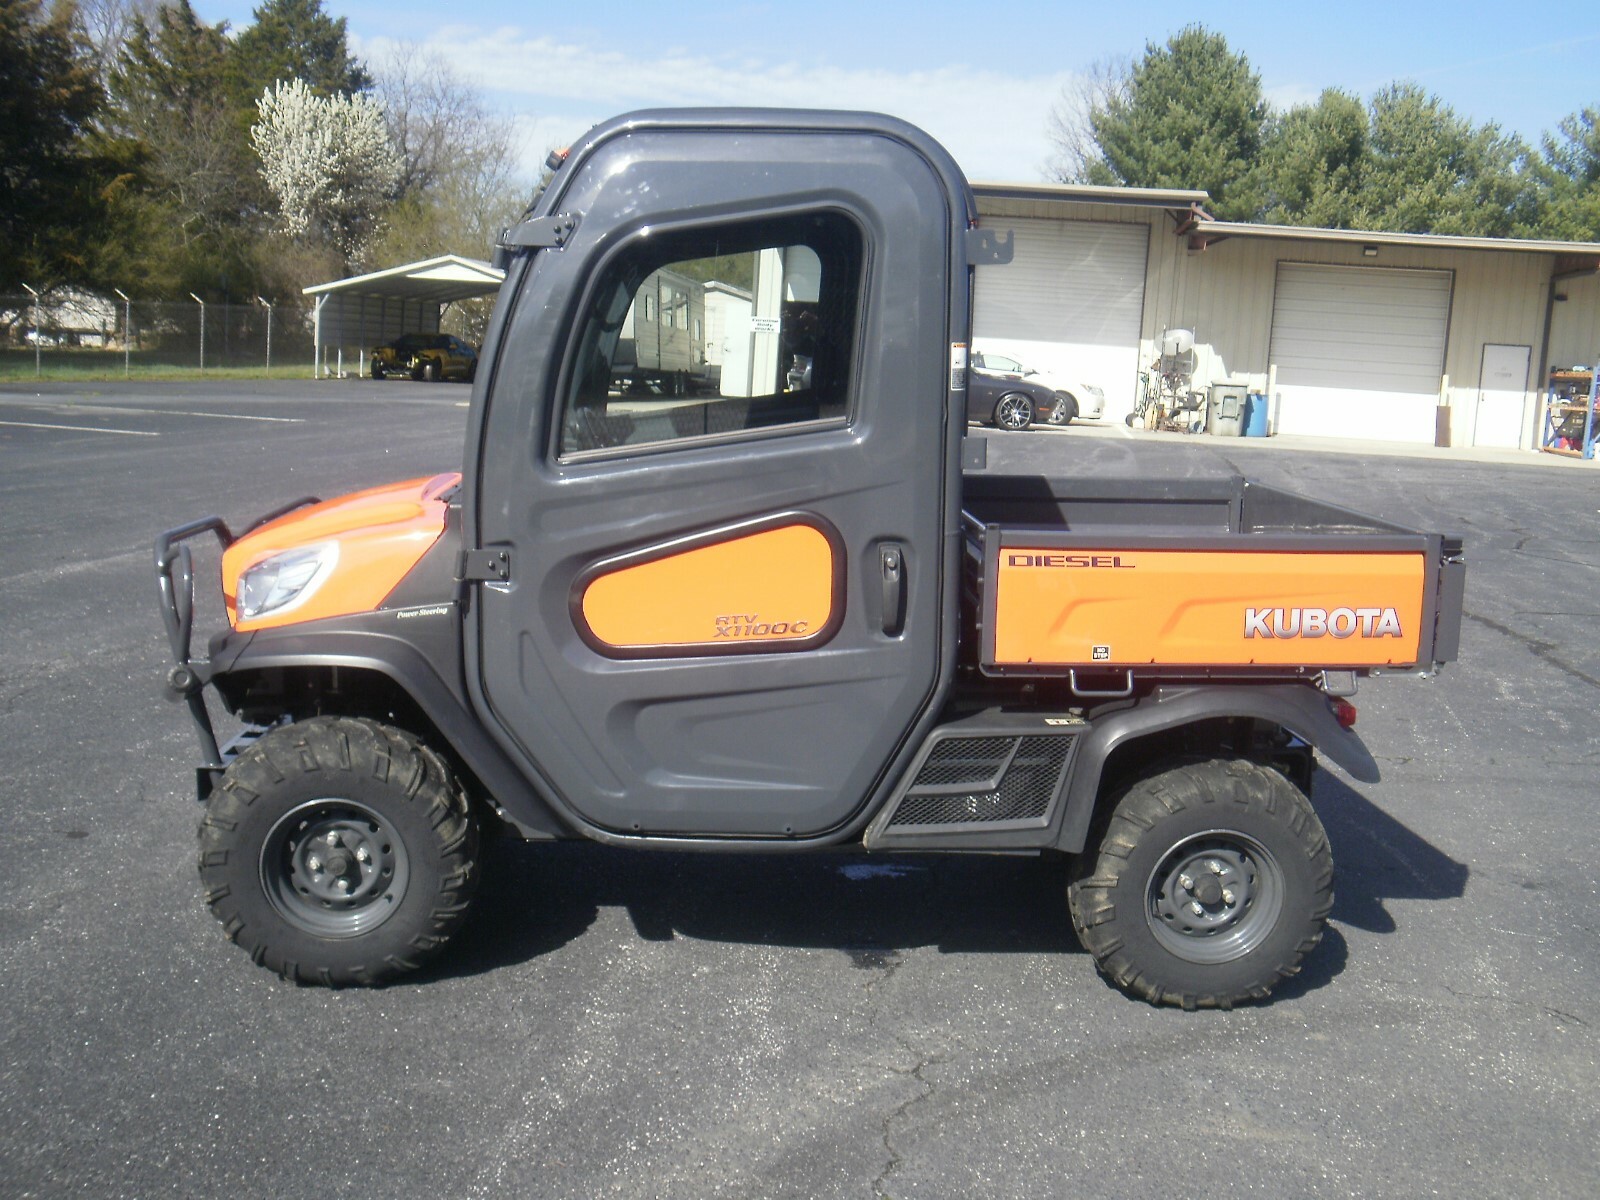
1502,396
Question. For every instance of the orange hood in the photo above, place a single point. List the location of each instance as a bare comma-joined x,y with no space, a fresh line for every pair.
381,533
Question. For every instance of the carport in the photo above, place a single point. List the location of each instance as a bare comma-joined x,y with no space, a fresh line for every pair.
352,315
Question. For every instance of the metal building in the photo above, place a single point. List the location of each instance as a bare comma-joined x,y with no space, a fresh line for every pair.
353,315
1405,337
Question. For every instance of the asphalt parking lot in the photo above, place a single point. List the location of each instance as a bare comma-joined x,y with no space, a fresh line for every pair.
629,1024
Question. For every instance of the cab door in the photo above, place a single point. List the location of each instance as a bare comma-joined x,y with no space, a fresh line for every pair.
718,456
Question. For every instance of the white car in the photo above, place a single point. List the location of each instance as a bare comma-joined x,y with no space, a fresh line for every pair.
1074,397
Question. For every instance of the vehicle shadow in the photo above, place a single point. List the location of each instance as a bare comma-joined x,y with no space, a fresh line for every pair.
1378,859
538,897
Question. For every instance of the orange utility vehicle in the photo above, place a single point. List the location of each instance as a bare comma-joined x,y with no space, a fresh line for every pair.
794,614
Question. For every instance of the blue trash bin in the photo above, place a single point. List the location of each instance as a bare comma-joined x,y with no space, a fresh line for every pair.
1255,419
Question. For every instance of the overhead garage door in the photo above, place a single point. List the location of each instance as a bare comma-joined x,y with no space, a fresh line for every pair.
1359,350
1070,302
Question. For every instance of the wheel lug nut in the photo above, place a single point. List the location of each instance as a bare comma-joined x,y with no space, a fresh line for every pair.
333,840
1215,867
1196,909
1186,882
314,863
344,884
1227,895
363,856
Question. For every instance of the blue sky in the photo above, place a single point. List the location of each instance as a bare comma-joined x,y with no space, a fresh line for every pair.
980,77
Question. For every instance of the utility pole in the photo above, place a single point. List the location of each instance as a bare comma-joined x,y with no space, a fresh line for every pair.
127,327
35,296
202,305
268,307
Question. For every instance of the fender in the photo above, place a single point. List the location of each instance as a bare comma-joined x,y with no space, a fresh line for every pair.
1299,708
408,646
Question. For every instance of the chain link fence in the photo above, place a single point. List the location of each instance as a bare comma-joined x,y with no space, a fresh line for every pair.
101,335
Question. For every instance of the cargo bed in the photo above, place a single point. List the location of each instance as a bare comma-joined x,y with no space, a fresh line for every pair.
1110,581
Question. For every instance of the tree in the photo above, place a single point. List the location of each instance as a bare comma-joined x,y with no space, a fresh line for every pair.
458,182
295,39
1315,162
328,162
1071,131
188,196
49,182
109,23
1431,171
1569,178
1189,114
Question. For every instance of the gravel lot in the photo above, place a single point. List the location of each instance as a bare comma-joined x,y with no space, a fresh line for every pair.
663,1025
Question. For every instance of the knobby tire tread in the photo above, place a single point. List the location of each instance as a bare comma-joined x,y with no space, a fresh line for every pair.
353,752
1235,793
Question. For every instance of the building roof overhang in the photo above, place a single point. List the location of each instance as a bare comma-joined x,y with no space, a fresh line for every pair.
440,280
1571,257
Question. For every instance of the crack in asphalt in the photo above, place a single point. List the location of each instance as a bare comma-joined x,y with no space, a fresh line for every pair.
1560,1014
1545,651
895,1157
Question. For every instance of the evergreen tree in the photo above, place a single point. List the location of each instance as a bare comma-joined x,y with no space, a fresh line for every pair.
294,39
1431,171
50,184
1569,176
1315,163
190,193
1191,115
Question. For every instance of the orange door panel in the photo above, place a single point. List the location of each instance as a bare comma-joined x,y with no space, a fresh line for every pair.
780,587
1197,608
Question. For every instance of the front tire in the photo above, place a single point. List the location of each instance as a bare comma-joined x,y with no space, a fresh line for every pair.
1013,411
431,371
339,851
1212,883
1065,409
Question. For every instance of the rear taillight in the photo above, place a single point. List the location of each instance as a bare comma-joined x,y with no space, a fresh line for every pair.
1345,713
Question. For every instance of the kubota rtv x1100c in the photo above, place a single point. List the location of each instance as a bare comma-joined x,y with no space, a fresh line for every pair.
764,609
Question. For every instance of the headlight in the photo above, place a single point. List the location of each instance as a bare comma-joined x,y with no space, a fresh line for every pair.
285,580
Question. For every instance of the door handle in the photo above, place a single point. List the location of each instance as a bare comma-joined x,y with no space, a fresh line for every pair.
892,563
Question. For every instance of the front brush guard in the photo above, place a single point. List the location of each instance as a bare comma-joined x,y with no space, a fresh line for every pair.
175,577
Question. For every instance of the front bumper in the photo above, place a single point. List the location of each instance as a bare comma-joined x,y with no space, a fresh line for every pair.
187,679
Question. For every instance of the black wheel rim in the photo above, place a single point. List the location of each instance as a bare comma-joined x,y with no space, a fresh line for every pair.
1014,412
334,868
1214,897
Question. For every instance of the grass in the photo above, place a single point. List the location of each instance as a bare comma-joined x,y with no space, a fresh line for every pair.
60,366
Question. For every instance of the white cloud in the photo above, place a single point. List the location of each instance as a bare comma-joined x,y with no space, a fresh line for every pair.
1284,96
993,121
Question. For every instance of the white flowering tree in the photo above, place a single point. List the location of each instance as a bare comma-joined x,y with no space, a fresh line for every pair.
328,162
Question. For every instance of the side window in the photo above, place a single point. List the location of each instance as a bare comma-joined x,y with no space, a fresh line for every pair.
724,331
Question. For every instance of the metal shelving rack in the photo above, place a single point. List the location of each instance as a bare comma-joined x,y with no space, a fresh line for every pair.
1566,418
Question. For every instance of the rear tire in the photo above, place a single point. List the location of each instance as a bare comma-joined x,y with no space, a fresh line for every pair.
339,851
377,370
1212,883
430,371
